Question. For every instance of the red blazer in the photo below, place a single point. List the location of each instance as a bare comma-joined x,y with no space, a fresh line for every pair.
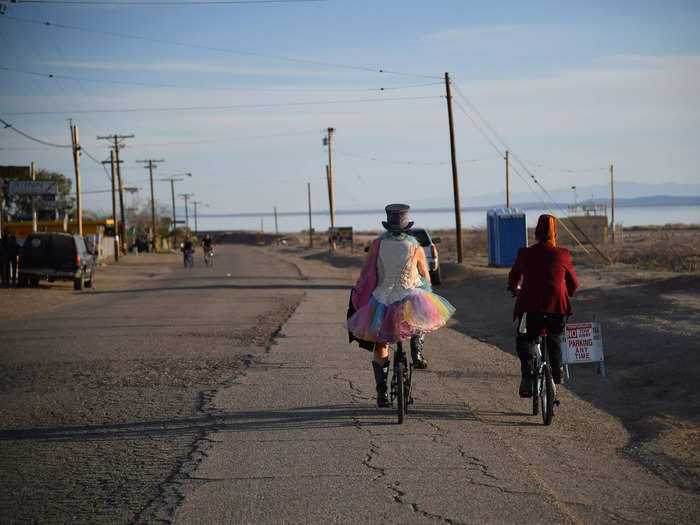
548,279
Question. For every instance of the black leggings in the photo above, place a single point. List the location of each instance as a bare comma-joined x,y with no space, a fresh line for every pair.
525,343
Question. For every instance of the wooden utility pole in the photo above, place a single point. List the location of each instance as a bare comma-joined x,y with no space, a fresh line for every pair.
186,196
311,234
507,181
277,231
150,167
122,226
76,164
196,228
114,204
612,202
329,177
455,182
172,181
34,221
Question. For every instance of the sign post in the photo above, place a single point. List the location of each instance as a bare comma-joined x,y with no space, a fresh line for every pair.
583,343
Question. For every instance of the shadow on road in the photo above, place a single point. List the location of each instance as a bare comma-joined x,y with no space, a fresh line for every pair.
301,418
228,287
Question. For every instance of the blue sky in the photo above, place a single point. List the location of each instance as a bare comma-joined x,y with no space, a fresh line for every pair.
569,87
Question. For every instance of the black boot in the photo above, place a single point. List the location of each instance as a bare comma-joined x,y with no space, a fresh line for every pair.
380,375
417,352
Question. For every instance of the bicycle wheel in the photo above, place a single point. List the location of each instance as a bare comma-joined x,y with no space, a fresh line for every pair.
399,370
547,396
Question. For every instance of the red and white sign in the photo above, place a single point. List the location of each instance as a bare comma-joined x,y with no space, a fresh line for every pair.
584,343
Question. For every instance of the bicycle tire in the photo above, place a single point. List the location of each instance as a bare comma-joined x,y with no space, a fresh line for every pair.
400,391
548,396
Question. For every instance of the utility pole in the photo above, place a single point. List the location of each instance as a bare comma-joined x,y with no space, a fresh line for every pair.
329,178
172,193
277,232
311,235
122,227
76,164
34,221
114,205
455,182
150,167
507,181
195,214
187,217
612,202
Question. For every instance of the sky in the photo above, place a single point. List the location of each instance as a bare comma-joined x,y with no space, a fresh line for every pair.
240,95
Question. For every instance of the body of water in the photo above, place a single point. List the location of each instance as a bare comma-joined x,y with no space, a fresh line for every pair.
434,220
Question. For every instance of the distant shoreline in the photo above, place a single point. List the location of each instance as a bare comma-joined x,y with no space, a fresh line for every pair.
641,202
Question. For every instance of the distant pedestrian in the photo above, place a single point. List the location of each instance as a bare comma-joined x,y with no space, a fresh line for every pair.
11,249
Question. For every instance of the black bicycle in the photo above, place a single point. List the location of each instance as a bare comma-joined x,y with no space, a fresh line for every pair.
544,392
401,382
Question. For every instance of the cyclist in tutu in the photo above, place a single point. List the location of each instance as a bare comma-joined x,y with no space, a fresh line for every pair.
393,299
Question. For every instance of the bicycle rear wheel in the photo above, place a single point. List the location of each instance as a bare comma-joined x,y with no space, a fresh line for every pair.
399,370
547,396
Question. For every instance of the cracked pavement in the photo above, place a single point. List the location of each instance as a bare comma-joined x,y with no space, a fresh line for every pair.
303,442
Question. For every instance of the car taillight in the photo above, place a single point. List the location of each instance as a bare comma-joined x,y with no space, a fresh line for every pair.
77,259
433,251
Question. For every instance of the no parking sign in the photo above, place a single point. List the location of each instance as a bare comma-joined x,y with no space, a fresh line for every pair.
583,343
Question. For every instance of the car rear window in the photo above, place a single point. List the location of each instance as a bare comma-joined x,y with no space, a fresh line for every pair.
80,243
35,243
422,237
63,246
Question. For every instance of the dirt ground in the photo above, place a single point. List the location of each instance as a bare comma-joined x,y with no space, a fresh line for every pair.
651,327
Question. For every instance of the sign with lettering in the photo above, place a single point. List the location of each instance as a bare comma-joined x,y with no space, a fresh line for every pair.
583,343
33,187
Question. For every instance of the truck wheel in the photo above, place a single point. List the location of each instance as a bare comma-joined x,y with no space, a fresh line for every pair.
78,282
435,277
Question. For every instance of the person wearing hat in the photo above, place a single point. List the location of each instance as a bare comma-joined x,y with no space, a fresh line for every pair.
392,298
548,281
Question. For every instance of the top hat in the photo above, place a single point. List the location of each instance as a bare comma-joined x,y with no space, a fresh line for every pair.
397,218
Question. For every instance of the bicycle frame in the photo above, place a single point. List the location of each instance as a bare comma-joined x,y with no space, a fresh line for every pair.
401,381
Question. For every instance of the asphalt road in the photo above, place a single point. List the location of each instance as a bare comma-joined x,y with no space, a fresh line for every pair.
184,401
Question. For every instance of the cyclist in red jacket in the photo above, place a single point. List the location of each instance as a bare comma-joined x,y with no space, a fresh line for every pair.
548,280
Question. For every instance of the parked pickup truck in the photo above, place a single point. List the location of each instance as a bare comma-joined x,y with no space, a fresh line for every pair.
56,257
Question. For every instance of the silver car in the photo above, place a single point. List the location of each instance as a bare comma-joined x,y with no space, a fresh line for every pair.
431,252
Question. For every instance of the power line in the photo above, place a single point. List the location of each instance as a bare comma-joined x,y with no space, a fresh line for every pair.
207,108
225,50
208,88
164,2
53,145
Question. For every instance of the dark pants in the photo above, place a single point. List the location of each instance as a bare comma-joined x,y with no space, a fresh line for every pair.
525,343
13,265
4,270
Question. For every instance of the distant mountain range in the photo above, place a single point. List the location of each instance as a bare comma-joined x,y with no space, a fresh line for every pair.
626,194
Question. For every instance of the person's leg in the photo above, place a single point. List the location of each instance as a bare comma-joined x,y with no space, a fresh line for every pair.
525,347
417,352
13,264
380,365
555,327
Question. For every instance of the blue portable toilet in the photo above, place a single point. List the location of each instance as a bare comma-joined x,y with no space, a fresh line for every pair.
507,233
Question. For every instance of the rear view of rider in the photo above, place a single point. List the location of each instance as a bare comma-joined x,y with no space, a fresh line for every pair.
207,243
548,280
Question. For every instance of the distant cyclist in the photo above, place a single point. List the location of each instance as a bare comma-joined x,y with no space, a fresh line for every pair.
548,280
207,246
187,250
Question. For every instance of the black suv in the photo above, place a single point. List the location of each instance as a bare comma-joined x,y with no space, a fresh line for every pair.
56,257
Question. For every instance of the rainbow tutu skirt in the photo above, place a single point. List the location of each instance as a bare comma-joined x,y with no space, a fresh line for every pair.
417,313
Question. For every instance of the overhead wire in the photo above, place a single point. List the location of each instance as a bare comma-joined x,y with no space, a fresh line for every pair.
26,135
163,2
227,50
532,176
209,88
228,107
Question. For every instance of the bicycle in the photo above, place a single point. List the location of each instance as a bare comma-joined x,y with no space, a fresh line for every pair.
189,258
209,257
544,391
401,382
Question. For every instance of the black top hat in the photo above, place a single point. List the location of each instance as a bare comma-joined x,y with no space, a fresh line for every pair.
397,218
